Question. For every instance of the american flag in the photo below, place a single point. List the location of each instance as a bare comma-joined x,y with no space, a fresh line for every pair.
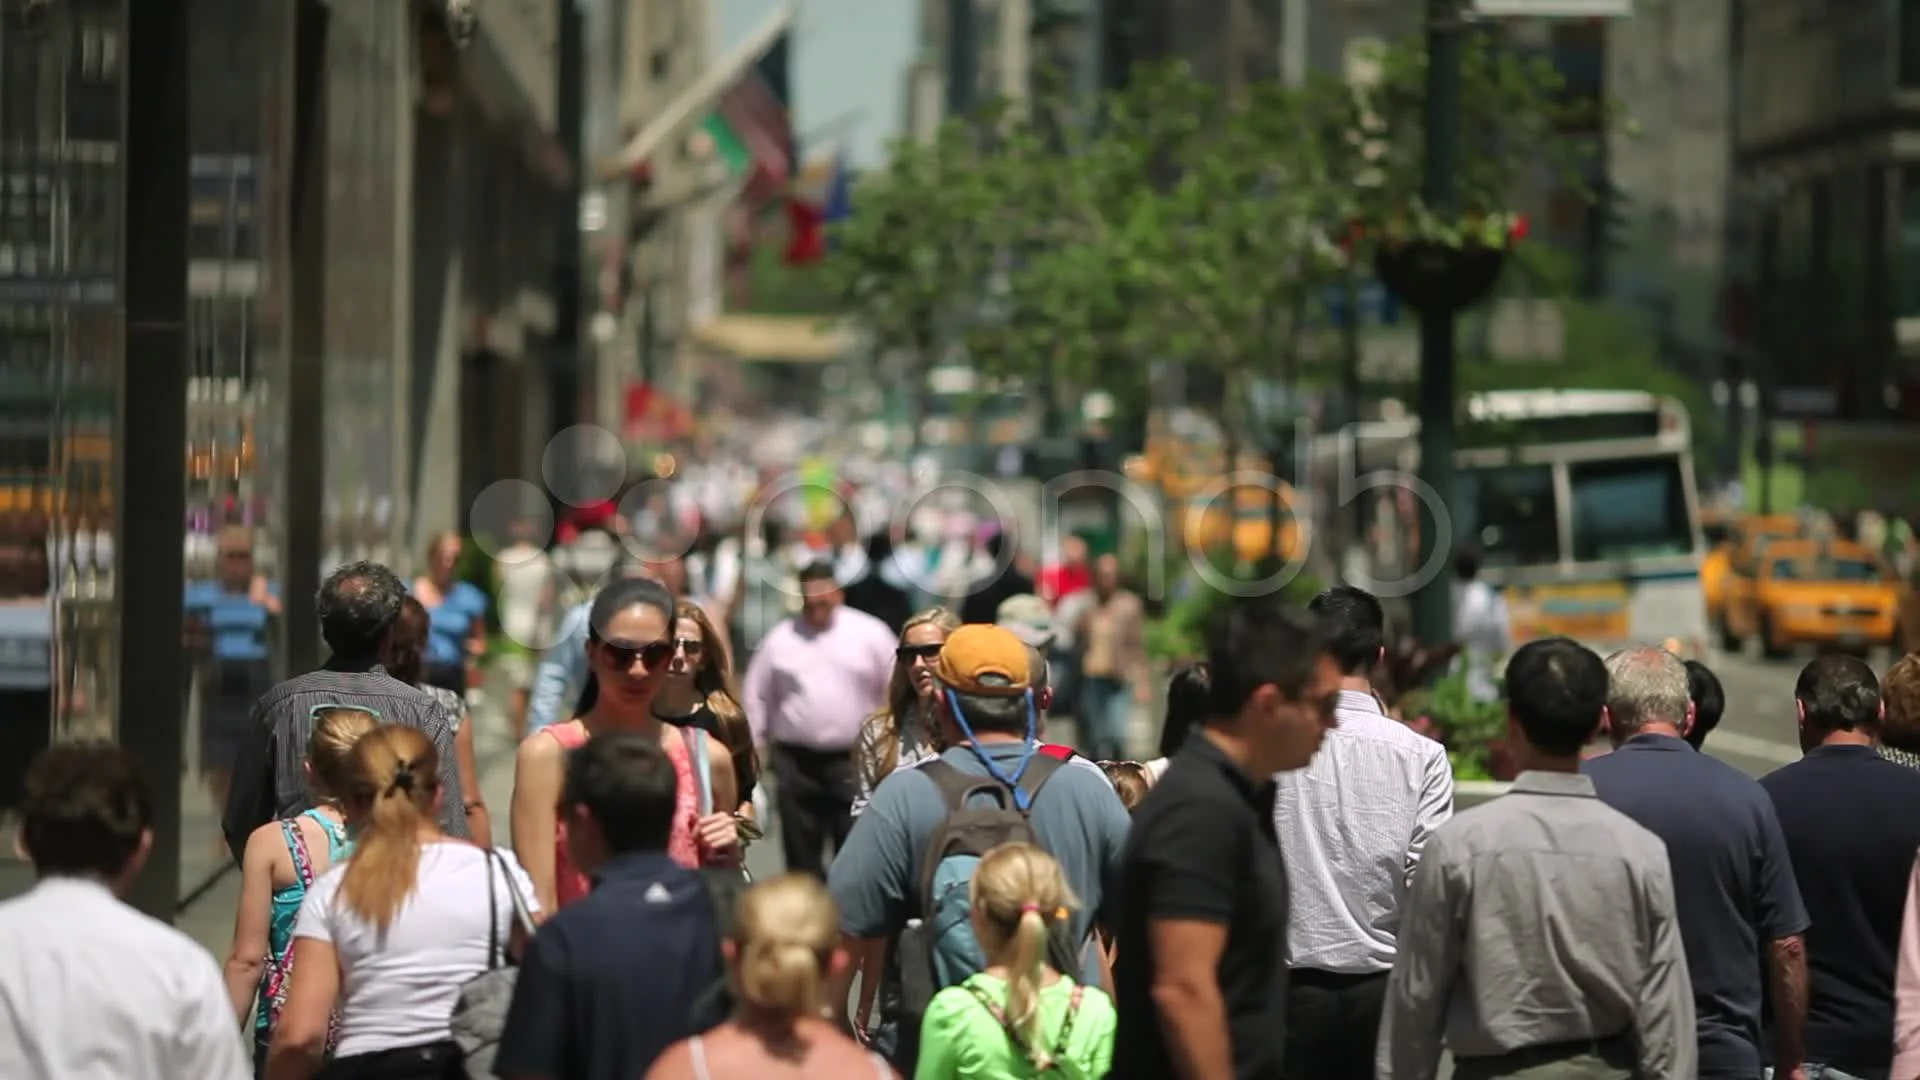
755,108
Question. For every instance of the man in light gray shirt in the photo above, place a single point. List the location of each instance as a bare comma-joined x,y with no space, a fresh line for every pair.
1540,938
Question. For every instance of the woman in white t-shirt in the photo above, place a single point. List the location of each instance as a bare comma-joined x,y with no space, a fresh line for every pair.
389,937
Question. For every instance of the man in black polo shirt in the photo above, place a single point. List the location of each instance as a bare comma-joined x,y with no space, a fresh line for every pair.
612,981
1200,932
1852,823
1741,918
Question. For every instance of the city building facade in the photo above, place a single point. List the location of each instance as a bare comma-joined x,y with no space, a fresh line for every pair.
263,263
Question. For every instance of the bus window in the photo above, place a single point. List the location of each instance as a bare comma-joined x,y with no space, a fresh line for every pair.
1635,508
1509,513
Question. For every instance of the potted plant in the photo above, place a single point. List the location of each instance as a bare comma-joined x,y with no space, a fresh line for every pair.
1473,730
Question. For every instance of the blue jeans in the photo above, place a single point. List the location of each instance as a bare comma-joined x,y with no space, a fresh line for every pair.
1106,706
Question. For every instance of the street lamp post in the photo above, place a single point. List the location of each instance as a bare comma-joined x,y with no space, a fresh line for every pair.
1433,603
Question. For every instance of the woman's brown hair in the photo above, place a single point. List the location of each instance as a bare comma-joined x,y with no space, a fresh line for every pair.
880,731
393,779
1129,780
713,678
405,654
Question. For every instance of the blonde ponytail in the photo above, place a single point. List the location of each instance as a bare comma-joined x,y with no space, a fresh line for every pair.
786,932
1020,892
1026,967
780,976
393,781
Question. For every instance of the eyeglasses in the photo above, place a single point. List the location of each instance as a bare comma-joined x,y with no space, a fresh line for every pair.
907,654
692,646
653,653
318,711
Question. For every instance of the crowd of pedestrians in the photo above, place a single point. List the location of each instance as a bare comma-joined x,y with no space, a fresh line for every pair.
1284,893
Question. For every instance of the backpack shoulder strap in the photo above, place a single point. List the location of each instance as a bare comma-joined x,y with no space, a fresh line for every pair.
953,784
1066,1022
1040,769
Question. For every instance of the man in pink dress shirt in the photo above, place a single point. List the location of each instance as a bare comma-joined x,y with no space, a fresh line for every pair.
812,680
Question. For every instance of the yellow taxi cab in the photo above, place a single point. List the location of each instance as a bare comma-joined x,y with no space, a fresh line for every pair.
1832,594
1728,573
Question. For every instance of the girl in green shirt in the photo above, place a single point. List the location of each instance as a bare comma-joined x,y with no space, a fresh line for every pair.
1019,1019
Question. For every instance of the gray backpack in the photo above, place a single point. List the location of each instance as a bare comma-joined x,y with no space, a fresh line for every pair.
941,951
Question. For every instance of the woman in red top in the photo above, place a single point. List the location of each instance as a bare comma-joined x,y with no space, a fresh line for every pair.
629,645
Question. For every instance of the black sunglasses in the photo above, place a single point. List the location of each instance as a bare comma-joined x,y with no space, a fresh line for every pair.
653,653
692,646
907,654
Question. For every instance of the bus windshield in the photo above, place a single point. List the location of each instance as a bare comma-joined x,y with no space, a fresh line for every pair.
1630,508
1508,513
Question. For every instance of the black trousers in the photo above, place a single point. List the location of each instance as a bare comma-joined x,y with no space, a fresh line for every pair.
1333,1024
433,1061
814,796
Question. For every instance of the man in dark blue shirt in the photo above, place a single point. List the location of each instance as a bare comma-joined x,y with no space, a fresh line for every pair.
1852,823
1740,912
612,981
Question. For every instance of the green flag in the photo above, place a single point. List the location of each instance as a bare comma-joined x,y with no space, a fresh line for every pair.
727,145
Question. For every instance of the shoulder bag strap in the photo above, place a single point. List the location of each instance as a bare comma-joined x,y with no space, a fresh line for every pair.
695,740
495,951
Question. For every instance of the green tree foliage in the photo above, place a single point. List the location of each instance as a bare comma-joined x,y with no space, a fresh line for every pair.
1074,246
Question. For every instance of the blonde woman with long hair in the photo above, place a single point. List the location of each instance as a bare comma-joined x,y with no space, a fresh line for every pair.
901,733
388,938
281,862
784,951
1019,1019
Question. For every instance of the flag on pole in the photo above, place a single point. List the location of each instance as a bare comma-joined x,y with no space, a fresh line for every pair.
810,208
751,125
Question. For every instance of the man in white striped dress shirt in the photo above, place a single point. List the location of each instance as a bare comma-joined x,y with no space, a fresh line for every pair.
1351,827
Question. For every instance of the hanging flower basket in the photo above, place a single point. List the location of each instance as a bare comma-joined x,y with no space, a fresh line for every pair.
1432,266
1430,276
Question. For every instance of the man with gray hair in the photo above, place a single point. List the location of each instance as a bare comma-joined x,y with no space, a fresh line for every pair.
1740,909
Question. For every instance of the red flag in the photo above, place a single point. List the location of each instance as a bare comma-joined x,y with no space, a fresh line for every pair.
807,236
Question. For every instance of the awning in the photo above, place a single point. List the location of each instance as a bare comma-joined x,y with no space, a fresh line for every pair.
793,339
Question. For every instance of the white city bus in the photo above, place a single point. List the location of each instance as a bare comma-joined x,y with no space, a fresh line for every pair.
1582,503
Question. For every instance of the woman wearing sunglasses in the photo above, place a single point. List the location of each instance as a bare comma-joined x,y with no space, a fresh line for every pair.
699,692
899,735
630,646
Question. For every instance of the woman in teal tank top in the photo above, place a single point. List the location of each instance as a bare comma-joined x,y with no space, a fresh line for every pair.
282,859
